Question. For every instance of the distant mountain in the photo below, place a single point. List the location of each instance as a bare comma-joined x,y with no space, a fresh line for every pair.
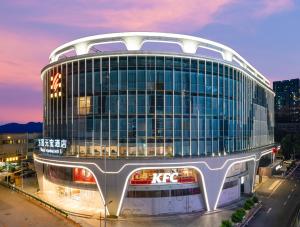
30,127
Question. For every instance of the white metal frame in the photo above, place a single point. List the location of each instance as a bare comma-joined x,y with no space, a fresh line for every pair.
135,40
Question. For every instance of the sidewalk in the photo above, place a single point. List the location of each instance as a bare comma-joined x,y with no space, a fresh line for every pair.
212,219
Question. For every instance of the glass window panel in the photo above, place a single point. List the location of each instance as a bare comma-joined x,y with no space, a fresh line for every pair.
208,81
105,74
141,104
201,77
178,148
169,104
97,83
123,73
131,104
168,80
177,104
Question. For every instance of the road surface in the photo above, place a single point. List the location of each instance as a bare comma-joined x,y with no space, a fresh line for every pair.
280,198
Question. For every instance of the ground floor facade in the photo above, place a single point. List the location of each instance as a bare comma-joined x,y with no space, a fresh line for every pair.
134,187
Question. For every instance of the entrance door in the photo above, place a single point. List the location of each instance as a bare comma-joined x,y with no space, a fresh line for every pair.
242,188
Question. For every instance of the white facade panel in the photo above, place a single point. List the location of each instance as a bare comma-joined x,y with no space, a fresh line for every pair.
165,205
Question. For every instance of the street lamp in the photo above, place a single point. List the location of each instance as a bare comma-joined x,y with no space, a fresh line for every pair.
105,206
7,167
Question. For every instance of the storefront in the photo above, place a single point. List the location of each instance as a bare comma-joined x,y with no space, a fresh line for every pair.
72,189
163,191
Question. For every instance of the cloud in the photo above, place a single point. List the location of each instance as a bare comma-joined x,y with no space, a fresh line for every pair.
269,7
158,15
22,56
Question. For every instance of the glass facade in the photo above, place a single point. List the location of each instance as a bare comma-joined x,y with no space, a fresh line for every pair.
156,105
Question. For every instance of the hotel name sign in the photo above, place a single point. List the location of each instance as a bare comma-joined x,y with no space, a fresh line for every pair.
52,146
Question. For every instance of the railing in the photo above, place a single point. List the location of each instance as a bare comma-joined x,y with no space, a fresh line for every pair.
250,215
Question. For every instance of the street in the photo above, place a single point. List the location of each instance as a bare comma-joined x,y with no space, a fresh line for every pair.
16,210
280,198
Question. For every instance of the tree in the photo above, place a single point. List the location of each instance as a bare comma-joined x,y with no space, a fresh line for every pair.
290,145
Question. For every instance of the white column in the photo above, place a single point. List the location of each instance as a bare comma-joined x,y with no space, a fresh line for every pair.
133,42
81,48
189,46
213,180
227,55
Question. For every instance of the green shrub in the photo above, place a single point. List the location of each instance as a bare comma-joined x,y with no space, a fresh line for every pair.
250,201
255,199
248,204
226,223
237,217
241,212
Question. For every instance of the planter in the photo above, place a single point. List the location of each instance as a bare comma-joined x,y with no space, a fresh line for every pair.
249,215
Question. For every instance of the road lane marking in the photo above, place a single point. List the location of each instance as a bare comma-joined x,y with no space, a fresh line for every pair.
277,186
269,210
275,183
284,203
289,196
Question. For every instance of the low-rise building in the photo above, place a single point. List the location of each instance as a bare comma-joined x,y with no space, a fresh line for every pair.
16,146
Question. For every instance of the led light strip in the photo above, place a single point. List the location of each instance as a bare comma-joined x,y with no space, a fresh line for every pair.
163,167
172,163
224,178
202,177
177,165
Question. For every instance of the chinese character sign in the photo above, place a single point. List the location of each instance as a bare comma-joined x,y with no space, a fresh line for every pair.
52,146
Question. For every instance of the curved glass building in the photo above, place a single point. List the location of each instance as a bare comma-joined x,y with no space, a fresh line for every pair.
153,110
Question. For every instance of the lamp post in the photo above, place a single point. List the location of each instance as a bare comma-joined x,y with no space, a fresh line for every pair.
7,167
105,206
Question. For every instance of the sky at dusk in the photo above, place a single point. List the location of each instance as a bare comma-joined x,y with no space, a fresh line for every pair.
265,32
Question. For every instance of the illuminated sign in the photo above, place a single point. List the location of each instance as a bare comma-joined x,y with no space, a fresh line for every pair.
83,176
52,146
164,178
55,86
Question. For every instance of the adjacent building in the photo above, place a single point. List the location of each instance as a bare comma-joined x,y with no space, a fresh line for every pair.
17,146
141,132
287,106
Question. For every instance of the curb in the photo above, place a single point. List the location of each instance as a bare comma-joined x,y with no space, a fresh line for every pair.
254,211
